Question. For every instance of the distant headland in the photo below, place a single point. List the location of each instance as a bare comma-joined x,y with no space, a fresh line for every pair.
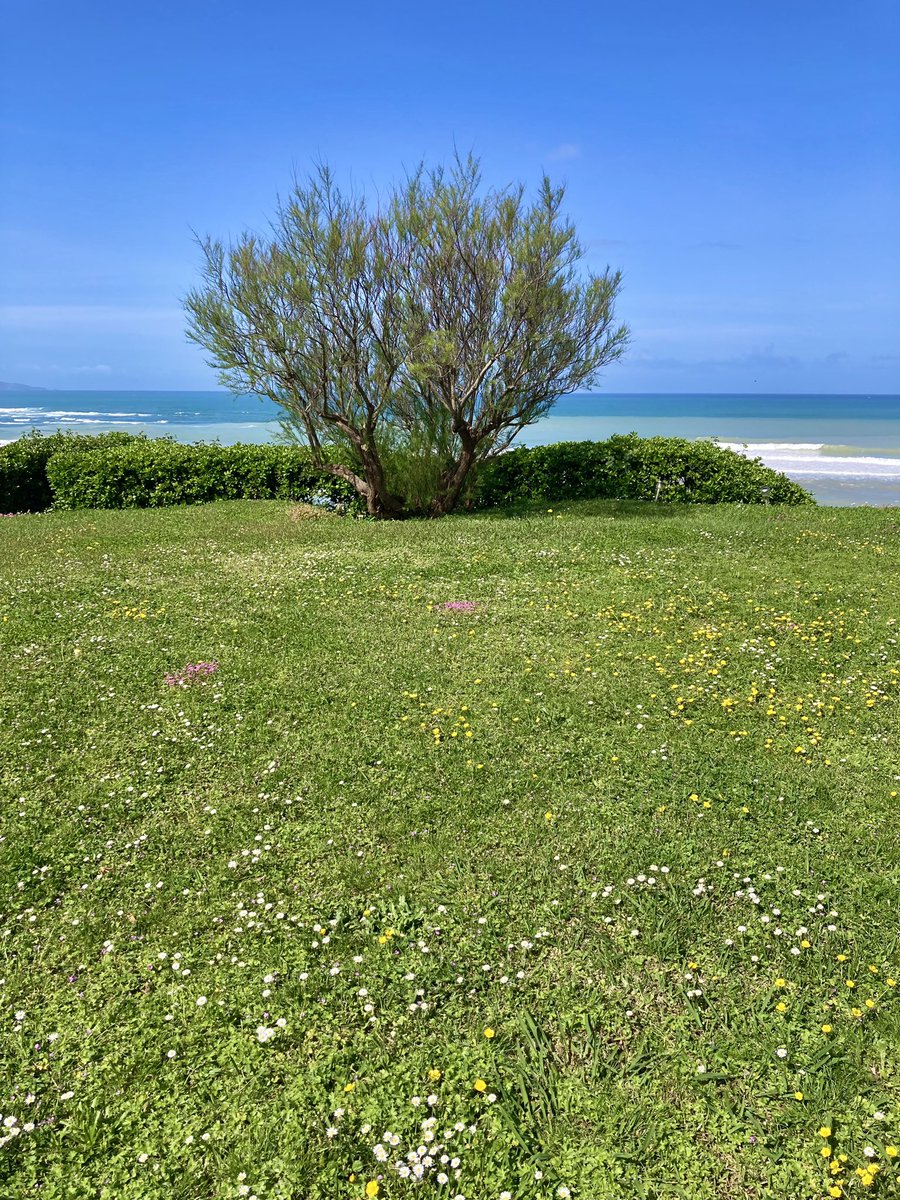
20,387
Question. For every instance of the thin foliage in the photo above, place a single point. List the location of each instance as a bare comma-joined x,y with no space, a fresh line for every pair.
408,345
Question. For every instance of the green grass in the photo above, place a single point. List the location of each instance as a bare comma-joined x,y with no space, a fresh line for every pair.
704,697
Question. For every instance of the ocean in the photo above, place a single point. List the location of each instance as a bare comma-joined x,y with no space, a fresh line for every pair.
844,449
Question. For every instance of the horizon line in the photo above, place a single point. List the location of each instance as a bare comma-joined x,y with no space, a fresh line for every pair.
32,388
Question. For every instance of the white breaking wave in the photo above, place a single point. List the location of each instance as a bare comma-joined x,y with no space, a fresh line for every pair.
806,458
105,420
52,424
42,414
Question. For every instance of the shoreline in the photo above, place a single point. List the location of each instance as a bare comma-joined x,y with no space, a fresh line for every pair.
846,454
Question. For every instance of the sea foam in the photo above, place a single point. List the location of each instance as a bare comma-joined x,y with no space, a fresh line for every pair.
817,459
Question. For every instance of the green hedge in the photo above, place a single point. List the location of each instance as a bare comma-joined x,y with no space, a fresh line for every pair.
121,470
627,467
24,486
152,473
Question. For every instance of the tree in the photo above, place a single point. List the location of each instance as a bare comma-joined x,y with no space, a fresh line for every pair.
408,345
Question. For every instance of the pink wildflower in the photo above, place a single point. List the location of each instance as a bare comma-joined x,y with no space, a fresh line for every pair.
191,672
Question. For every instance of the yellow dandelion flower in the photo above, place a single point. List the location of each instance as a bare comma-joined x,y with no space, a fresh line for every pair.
373,1187
479,1085
825,1131
782,1007
489,1033
891,1151
781,983
434,1075
825,1152
826,1029
835,1191
798,1095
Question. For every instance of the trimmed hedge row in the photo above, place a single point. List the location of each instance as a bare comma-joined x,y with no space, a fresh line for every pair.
120,470
628,467
154,473
24,486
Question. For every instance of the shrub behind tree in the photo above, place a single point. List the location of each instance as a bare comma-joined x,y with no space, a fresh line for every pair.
628,467
158,473
153,473
24,486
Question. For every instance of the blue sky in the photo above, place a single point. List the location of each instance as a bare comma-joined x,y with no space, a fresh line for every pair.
739,161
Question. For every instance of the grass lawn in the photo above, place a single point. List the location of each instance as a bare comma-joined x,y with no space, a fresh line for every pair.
590,891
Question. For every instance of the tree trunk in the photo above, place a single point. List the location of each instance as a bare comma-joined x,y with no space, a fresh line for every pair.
380,502
384,507
447,500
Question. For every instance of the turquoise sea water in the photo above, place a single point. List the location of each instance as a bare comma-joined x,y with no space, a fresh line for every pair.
845,449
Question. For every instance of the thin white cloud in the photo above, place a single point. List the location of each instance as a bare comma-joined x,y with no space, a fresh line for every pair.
55,369
83,316
564,152
763,358
702,333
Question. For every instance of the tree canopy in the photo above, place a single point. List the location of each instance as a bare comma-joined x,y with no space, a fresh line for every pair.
407,344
